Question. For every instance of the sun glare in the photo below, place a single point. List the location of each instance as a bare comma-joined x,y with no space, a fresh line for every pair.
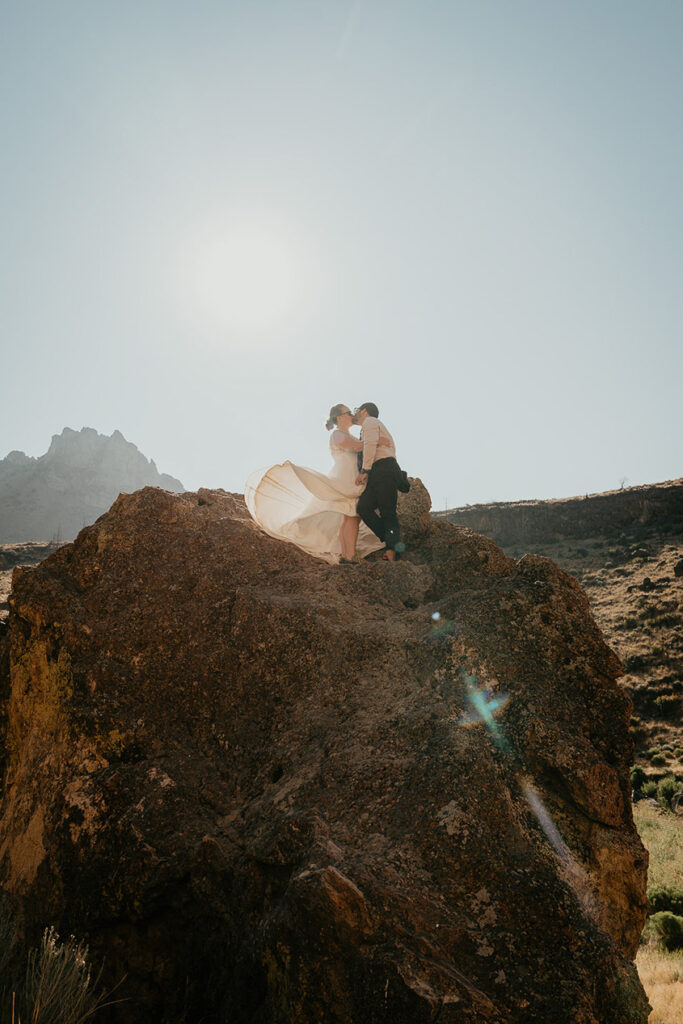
244,277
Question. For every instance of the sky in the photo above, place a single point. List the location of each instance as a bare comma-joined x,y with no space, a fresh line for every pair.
219,219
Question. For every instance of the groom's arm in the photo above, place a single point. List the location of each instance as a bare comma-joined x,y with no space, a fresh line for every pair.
370,441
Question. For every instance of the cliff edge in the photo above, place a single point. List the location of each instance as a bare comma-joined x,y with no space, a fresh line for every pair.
270,790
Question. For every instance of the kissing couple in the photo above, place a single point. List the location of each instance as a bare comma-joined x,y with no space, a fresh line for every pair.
346,514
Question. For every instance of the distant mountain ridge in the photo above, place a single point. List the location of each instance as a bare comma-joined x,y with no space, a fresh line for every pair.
515,523
53,496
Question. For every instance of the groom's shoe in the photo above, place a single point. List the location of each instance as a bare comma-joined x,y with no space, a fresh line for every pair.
348,561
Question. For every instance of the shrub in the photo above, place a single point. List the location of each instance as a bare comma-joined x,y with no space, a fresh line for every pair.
668,929
658,759
667,620
678,752
57,987
665,897
667,705
650,789
628,622
637,777
667,788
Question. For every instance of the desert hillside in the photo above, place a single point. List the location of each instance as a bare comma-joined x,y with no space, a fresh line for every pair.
626,550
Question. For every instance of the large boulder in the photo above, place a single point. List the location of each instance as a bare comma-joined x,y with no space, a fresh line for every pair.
269,790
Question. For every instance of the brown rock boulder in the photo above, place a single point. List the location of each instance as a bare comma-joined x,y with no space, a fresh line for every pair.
269,790
413,511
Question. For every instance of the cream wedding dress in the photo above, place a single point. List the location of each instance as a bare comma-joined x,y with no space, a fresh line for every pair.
306,508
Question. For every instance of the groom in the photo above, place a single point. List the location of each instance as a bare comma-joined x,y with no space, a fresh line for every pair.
381,474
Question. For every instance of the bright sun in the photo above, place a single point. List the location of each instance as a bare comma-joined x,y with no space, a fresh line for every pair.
245,277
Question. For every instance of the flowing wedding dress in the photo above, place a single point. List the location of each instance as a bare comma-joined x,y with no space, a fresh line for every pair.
307,508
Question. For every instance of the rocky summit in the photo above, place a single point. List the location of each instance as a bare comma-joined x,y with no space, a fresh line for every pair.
267,790
54,496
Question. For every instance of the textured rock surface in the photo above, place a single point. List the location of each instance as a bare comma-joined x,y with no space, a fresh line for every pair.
257,784
11,555
81,474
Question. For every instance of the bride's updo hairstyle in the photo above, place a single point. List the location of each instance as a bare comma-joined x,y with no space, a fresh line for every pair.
335,411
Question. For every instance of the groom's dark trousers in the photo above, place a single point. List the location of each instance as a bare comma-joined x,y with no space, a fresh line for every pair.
381,493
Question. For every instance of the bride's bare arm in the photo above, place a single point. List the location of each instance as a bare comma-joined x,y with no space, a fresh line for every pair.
345,441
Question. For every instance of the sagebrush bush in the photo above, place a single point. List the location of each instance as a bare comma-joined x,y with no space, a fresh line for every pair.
665,897
667,788
667,929
658,760
668,705
57,986
650,789
637,777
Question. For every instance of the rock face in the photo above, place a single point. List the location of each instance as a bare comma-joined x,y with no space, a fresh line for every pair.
537,522
18,554
269,790
81,474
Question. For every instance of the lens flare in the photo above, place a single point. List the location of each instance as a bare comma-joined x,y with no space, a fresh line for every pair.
545,821
441,628
483,708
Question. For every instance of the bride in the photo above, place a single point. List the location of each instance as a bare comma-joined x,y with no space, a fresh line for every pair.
317,512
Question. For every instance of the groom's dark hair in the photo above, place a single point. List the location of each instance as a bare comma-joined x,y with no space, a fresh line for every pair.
370,408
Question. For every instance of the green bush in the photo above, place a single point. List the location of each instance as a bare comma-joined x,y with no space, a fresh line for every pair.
668,705
678,752
667,929
658,760
665,897
650,789
667,788
637,777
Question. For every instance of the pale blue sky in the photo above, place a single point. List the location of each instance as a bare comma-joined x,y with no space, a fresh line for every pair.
219,219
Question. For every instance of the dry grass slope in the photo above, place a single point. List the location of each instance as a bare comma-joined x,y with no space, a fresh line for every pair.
662,978
662,973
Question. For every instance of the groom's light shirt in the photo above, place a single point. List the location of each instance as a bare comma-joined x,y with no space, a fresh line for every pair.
377,443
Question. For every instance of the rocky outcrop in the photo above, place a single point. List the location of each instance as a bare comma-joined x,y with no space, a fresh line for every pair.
516,523
271,790
11,555
56,495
